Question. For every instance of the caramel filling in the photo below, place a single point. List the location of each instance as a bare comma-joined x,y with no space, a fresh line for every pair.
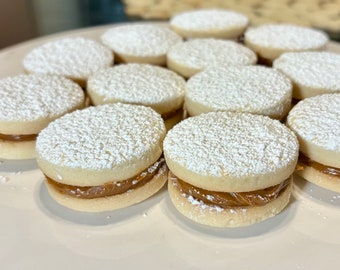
168,115
307,162
18,138
110,188
264,61
231,199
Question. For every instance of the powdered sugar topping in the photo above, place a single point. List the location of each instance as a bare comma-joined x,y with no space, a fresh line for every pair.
286,37
253,89
231,144
71,57
317,120
140,39
209,19
203,53
31,97
312,69
102,137
138,84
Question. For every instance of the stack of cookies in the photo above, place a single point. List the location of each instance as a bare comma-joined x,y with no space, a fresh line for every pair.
217,108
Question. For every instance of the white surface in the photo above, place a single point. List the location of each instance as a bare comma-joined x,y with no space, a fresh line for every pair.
36,233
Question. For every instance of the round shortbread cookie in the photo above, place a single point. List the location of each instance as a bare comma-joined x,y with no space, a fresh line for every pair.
209,23
228,151
269,41
140,43
316,122
253,89
75,58
28,104
100,144
312,73
216,216
143,84
193,56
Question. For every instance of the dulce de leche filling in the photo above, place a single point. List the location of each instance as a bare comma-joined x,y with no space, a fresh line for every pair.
111,188
231,199
18,138
307,162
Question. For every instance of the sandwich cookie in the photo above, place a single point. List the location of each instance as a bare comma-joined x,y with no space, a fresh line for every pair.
104,157
316,122
230,169
209,23
252,89
312,73
269,41
75,58
193,56
143,84
140,43
28,104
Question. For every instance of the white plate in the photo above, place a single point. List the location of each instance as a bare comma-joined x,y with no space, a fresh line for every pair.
37,233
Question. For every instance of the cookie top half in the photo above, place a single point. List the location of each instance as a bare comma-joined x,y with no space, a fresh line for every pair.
74,57
101,144
226,151
144,84
271,40
316,121
209,23
313,73
30,102
252,89
140,43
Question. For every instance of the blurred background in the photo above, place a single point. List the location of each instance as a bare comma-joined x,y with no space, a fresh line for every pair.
21,20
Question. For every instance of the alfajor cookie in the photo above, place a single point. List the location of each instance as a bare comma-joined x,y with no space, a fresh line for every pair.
193,56
104,157
252,89
28,104
312,73
209,23
75,58
143,84
269,41
316,122
140,43
230,169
